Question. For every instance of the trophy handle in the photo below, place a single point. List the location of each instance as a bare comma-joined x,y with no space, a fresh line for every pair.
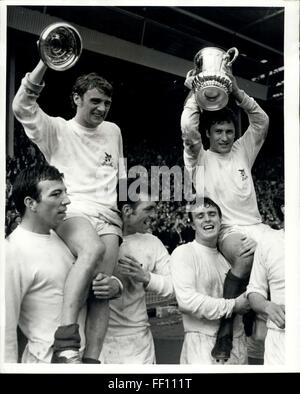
235,52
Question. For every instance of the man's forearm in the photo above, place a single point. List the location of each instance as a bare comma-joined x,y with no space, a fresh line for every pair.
161,284
204,306
258,119
190,119
238,95
258,303
36,76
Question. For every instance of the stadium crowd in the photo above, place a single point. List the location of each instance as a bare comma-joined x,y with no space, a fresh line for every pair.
172,224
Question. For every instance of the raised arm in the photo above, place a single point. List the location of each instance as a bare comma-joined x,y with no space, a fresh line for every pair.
38,126
24,103
190,119
258,119
37,74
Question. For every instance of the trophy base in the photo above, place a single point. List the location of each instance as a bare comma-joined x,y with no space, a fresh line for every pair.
211,98
212,91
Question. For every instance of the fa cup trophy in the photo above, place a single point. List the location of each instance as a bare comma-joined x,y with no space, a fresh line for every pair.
60,46
211,84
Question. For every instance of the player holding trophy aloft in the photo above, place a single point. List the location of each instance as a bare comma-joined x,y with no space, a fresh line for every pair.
227,166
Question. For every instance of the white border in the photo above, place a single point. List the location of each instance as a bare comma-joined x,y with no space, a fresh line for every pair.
291,180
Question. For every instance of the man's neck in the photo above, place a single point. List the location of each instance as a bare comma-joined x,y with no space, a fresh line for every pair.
79,121
222,154
83,124
127,230
209,243
33,226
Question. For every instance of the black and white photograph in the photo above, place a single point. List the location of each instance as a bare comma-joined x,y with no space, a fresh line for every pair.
150,206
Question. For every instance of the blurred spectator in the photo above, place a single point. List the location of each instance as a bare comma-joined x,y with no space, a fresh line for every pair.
14,224
172,225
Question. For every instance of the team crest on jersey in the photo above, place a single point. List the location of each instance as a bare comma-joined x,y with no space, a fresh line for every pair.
243,174
107,160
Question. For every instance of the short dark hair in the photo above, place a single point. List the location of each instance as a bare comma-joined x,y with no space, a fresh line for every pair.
206,202
90,81
223,115
124,186
26,183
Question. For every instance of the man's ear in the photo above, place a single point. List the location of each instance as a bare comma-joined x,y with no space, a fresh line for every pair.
127,209
207,133
30,203
76,99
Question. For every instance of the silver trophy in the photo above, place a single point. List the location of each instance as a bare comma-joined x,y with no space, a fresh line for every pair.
211,85
60,46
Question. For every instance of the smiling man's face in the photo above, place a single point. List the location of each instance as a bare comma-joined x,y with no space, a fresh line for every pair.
142,216
221,137
92,108
207,222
